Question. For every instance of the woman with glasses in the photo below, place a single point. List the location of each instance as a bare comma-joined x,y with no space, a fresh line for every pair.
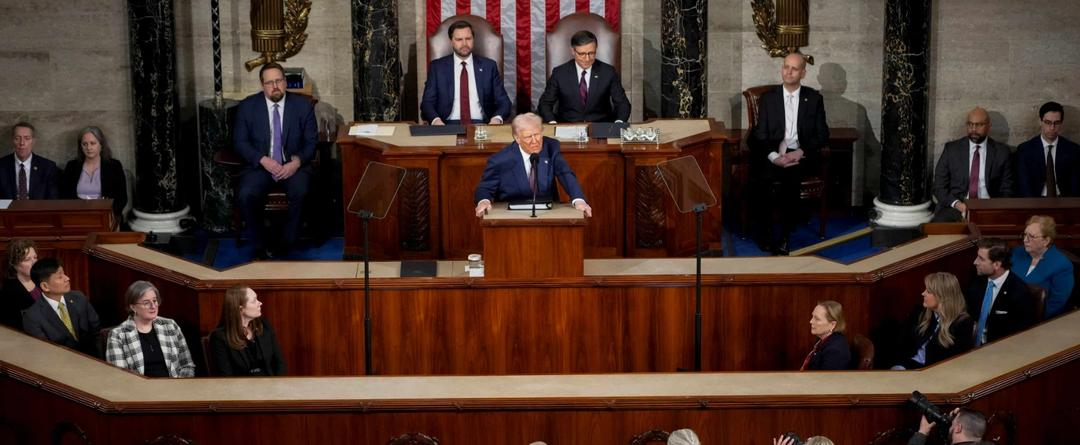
939,328
146,343
1038,262
243,343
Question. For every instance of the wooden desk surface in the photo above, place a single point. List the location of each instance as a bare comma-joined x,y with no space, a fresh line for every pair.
501,135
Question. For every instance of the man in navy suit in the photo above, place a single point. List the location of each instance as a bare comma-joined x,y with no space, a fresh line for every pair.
998,300
784,145
954,181
63,316
1048,152
464,87
509,174
584,89
275,134
24,175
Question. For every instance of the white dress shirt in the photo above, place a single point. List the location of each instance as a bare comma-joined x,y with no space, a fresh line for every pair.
475,110
791,123
26,165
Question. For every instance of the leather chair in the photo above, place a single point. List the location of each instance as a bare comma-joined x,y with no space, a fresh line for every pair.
1001,428
207,358
608,41
651,436
813,186
486,42
863,351
413,439
1038,299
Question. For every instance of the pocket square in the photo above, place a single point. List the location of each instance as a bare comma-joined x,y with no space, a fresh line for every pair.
1001,312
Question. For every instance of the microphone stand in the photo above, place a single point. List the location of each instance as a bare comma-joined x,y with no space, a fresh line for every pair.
534,159
699,210
365,217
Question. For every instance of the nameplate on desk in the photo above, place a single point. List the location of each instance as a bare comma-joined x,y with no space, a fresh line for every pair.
371,130
607,130
436,130
418,268
528,205
5,203
571,133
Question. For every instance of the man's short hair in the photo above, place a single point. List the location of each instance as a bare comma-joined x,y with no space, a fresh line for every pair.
43,269
582,38
997,250
24,124
524,118
459,25
1050,107
973,423
271,66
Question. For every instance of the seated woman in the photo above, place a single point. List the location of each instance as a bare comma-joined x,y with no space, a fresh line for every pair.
940,328
19,291
243,343
146,343
831,351
1040,263
94,174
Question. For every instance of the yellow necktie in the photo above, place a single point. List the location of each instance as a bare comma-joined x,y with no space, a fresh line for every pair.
66,319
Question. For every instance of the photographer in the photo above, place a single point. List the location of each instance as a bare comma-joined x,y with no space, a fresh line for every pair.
968,427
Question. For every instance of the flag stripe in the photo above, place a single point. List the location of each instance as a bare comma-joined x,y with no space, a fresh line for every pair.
463,6
582,6
433,19
539,55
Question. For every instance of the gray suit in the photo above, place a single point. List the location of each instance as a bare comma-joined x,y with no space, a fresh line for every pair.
952,172
41,321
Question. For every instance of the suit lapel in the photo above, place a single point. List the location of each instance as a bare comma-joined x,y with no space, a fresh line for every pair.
481,79
520,176
131,339
590,97
49,314
543,172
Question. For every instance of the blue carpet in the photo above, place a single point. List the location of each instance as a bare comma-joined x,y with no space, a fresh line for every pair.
806,235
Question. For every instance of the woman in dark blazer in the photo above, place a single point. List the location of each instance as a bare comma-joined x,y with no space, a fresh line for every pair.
94,174
831,351
243,343
940,328
19,290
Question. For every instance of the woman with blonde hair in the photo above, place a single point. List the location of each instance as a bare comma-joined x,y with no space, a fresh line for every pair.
1040,263
831,351
940,328
146,343
243,343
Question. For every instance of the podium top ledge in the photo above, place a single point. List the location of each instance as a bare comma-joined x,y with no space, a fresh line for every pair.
561,214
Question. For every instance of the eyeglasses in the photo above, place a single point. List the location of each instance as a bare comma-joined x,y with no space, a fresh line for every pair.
150,303
1028,237
1050,123
588,54
977,124
271,83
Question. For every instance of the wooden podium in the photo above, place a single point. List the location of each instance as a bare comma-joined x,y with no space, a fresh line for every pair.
516,245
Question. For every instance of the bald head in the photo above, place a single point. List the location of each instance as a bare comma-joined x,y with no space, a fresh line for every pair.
978,125
793,71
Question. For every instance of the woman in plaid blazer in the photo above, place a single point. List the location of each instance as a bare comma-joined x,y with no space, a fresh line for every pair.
145,343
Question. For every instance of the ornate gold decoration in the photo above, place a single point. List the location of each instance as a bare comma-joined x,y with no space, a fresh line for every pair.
785,38
295,22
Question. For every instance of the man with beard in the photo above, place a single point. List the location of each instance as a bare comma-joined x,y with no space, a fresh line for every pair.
975,167
275,134
24,174
1048,164
463,87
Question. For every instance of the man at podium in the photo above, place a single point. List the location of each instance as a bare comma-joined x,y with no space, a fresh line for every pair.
526,168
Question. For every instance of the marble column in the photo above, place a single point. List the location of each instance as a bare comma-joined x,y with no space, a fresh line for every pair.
155,115
905,197
376,66
217,187
682,68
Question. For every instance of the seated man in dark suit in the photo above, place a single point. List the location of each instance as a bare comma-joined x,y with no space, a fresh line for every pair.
1045,153
974,167
464,87
24,175
513,174
275,134
584,89
64,317
998,299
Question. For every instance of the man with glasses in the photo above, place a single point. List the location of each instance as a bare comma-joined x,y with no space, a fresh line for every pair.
973,167
584,89
1048,164
275,134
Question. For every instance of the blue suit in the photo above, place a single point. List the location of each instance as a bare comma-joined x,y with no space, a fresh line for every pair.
44,178
1053,273
505,180
251,140
439,93
1031,167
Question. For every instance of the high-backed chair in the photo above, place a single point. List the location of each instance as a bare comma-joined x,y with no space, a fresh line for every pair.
651,436
413,439
608,41
486,42
1038,299
813,186
863,352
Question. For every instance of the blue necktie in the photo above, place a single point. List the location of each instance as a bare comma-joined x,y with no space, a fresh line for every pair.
275,149
988,300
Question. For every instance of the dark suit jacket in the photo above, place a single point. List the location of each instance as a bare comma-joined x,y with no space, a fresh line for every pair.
43,178
232,362
951,173
504,177
252,133
1013,309
561,100
113,182
1031,167
41,321
835,354
961,330
13,300
439,94
769,130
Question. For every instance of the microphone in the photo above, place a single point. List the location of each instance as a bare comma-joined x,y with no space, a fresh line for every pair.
534,159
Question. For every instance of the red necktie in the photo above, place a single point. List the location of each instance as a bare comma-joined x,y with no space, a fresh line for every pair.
23,193
973,178
583,89
463,87
1051,180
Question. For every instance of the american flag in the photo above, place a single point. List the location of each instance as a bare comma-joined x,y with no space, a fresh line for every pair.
524,25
